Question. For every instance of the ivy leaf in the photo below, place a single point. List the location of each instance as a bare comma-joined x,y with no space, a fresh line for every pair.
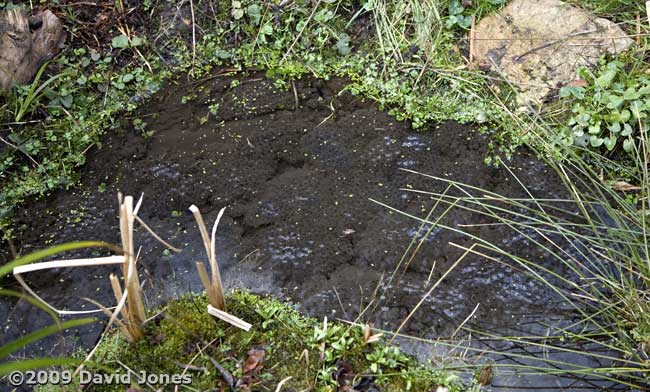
255,13
136,41
267,29
627,130
628,145
615,102
120,42
595,141
343,44
464,21
615,127
66,101
237,13
610,142
625,115
606,79
631,94
456,8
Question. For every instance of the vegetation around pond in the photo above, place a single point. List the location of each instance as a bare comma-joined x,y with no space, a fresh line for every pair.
284,348
408,56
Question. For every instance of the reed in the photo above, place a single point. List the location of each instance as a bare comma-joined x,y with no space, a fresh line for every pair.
212,284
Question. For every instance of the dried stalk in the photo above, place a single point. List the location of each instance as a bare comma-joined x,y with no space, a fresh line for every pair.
229,318
213,288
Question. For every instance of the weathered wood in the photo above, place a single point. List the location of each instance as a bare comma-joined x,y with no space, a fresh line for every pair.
26,42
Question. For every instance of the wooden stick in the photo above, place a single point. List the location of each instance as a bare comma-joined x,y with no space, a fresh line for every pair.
229,318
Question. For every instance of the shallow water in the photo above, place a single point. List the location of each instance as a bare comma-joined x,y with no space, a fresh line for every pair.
299,223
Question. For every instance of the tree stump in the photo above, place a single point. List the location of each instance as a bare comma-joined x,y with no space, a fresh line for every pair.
26,42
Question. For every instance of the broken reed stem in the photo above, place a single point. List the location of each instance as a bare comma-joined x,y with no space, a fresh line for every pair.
134,312
214,287
217,285
205,280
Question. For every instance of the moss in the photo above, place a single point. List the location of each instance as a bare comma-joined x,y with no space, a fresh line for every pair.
295,346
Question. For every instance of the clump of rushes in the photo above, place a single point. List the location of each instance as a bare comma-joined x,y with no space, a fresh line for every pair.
133,310
213,287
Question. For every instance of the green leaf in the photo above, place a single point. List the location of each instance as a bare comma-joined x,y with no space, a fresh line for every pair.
607,77
625,115
464,21
628,145
24,341
267,29
627,130
343,44
66,100
631,94
595,141
136,41
120,42
455,7
615,102
28,364
565,92
255,13
615,127
610,142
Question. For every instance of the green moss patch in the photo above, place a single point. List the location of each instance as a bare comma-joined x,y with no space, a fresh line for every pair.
184,340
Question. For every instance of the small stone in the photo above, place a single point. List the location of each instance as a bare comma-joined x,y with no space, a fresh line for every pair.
539,44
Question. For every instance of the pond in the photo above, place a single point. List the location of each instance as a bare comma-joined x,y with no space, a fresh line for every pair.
297,170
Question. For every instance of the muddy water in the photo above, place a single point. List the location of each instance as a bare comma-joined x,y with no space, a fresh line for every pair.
296,178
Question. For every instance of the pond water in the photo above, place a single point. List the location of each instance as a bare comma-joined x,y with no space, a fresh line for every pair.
296,170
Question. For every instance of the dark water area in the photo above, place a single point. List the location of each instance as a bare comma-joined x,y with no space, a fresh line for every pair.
296,170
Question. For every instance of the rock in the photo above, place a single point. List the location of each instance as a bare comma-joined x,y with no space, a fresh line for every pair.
26,43
538,44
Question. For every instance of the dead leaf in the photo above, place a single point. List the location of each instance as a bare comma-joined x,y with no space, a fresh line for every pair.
467,3
343,376
624,186
255,360
485,375
577,83
368,337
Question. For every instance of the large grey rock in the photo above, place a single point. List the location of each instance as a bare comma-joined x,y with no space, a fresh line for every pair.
538,44
26,43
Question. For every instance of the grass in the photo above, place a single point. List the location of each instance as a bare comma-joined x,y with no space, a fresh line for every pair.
183,339
598,236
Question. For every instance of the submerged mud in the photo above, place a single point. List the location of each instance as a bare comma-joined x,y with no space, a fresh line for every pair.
296,170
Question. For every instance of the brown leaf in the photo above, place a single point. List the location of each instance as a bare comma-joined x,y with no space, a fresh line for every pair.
343,376
577,83
485,375
624,186
467,3
255,360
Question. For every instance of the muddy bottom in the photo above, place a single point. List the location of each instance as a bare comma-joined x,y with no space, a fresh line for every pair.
296,170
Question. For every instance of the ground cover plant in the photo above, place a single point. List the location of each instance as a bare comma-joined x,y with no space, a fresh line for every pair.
285,350
410,57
